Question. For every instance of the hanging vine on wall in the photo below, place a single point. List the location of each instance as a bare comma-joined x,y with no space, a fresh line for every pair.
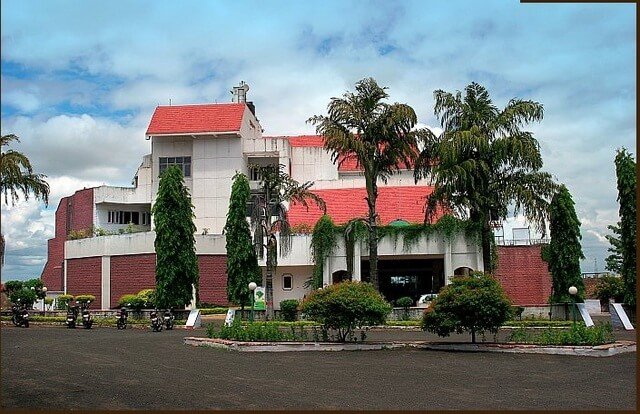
323,242
325,233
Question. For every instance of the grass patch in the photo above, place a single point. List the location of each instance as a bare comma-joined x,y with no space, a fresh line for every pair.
96,321
414,322
540,323
574,335
262,331
213,311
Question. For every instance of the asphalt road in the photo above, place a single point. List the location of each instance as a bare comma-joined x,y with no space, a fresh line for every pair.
103,368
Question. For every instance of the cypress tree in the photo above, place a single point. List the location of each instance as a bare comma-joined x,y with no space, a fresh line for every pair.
242,263
627,180
564,252
176,261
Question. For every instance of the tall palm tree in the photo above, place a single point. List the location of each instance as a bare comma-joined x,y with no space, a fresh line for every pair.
269,219
17,178
360,126
483,161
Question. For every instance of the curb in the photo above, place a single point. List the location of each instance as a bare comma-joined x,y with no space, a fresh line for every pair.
287,346
618,347
606,350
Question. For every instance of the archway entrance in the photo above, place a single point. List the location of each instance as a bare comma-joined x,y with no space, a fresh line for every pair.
462,272
340,276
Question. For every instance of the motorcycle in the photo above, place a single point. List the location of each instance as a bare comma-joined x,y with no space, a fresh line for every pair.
156,323
168,319
20,315
122,319
87,319
72,315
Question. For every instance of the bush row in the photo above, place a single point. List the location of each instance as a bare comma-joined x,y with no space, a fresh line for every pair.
576,335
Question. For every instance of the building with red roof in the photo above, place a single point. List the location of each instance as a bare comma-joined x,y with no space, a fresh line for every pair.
210,143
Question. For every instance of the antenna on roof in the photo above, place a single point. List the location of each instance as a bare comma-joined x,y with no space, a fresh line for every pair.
169,101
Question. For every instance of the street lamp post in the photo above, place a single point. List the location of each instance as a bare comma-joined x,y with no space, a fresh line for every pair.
252,287
573,291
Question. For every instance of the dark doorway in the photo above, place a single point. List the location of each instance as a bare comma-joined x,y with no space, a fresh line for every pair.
340,276
411,277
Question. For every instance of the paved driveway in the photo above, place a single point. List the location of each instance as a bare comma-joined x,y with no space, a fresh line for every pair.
103,368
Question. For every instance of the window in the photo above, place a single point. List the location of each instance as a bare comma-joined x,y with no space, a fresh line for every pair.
183,162
287,281
126,217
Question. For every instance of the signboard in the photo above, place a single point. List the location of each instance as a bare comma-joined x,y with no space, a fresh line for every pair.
619,318
231,314
585,314
194,320
259,302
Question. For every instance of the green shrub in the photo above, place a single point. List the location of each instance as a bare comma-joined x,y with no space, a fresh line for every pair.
64,300
404,302
256,332
610,287
147,296
131,301
346,306
48,301
475,303
23,296
577,334
85,299
289,310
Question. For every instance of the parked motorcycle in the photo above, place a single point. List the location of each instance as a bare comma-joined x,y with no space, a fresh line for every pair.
20,315
122,319
72,315
168,319
156,323
87,319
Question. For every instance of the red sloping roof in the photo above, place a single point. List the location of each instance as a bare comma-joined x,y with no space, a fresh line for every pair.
406,203
306,141
192,119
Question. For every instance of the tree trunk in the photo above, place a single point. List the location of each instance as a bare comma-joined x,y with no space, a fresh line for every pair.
486,247
269,294
473,336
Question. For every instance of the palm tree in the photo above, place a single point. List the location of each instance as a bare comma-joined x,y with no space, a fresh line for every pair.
377,135
17,178
483,161
269,217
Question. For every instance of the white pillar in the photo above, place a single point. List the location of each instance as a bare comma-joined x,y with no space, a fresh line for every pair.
64,275
357,262
106,282
326,274
448,265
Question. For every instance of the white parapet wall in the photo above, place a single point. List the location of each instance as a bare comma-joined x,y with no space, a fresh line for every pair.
135,243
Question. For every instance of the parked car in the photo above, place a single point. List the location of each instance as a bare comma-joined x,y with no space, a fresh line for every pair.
424,300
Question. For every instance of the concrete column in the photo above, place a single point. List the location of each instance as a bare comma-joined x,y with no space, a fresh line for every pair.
326,273
357,262
479,260
64,275
448,265
106,282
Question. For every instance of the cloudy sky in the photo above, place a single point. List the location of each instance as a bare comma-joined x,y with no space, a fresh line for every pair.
80,80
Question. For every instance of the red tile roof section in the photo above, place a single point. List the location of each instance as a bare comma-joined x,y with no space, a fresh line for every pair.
306,141
406,203
193,119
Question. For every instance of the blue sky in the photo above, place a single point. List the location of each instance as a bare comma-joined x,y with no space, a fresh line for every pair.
80,80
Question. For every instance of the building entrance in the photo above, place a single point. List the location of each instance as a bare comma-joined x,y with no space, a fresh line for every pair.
407,277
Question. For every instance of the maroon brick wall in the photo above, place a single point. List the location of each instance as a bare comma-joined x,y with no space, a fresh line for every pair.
80,210
84,276
523,274
130,274
73,213
213,279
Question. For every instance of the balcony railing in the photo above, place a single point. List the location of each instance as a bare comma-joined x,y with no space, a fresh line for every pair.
521,242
